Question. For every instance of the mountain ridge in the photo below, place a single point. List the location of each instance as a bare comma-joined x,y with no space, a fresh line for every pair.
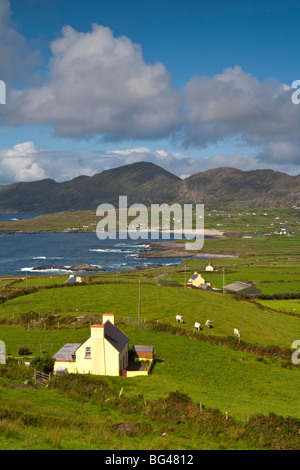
147,183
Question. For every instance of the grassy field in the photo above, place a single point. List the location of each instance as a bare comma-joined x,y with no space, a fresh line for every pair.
257,390
62,305
230,381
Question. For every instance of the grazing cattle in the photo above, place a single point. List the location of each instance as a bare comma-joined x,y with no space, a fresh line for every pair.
179,318
208,323
197,326
236,332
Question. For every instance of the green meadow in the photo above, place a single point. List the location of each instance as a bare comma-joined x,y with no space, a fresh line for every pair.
205,390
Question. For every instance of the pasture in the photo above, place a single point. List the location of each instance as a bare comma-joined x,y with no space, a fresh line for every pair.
222,378
65,304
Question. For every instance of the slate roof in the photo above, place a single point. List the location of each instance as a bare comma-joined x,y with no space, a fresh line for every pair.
67,352
115,336
143,348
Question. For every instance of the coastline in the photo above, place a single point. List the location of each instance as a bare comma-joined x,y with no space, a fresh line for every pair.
204,232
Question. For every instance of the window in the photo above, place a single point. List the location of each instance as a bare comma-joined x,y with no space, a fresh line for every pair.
88,353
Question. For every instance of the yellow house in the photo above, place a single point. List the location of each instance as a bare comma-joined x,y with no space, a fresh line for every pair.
196,280
105,352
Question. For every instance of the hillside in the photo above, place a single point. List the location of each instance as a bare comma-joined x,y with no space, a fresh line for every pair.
147,183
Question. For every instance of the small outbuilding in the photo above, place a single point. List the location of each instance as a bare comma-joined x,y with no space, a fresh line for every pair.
143,352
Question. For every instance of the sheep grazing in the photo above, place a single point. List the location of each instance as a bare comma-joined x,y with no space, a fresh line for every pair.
236,332
179,318
197,326
208,323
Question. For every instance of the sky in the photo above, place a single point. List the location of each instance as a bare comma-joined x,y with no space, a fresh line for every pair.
190,86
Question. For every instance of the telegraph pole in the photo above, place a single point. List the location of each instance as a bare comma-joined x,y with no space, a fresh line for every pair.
139,305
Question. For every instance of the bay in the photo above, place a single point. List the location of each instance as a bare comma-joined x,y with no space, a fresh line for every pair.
20,253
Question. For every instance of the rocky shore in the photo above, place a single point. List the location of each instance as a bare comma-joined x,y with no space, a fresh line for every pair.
75,267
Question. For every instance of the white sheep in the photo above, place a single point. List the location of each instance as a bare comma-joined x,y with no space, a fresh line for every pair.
208,323
197,326
236,332
179,318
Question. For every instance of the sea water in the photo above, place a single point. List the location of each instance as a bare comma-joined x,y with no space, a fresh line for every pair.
20,253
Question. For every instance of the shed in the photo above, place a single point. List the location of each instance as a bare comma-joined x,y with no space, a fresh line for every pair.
143,352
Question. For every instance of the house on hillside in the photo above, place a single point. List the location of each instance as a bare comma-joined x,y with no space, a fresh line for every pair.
242,288
105,352
209,267
196,280
72,279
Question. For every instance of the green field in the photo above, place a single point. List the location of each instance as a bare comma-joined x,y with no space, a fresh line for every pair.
254,383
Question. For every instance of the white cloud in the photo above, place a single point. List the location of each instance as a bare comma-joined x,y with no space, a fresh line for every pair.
25,162
99,84
236,103
18,164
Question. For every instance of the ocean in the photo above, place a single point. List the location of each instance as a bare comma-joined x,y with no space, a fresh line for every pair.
21,253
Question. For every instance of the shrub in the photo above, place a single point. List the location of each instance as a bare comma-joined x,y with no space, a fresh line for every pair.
43,363
23,350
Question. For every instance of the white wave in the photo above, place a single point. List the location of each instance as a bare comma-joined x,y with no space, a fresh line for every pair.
39,257
46,270
109,250
126,245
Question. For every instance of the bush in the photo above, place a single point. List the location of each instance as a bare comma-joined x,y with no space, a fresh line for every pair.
23,350
43,364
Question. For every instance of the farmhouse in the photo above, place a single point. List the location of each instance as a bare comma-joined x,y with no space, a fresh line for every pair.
105,352
242,288
72,279
196,280
209,267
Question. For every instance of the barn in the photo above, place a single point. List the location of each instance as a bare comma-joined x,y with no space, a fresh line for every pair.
242,288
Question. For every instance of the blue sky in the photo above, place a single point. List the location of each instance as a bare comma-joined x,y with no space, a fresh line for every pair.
188,85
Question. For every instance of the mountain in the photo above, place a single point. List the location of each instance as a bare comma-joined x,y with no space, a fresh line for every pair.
232,186
142,182
147,183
